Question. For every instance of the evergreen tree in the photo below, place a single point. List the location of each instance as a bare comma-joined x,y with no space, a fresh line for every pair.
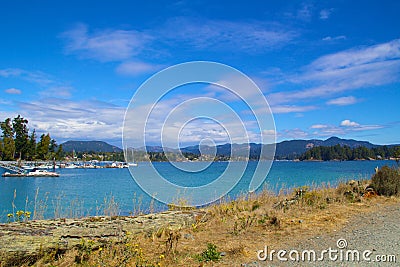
31,153
43,146
59,152
21,136
1,148
53,146
8,140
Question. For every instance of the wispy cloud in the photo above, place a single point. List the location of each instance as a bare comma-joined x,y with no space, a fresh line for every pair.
192,119
357,57
36,77
325,13
66,119
133,68
289,109
197,33
345,127
246,37
48,86
319,126
57,91
296,133
335,38
105,45
304,12
13,91
345,71
343,101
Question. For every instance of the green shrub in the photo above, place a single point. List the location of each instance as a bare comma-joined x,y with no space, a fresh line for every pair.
210,254
386,181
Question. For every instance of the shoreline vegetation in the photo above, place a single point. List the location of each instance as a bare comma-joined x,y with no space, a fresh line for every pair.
227,233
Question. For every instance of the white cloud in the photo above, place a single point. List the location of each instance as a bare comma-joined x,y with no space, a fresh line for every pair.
66,119
305,12
345,71
199,34
105,45
343,101
348,123
319,126
246,37
292,108
294,134
325,13
356,57
130,47
57,91
269,132
323,130
335,38
192,119
47,85
10,72
36,77
133,68
13,91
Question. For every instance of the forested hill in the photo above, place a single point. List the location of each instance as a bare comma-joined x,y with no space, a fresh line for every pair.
295,148
339,152
291,149
89,146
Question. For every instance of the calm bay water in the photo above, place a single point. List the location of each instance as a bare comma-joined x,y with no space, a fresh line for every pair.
82,192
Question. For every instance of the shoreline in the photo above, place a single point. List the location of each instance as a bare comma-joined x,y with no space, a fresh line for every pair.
238,228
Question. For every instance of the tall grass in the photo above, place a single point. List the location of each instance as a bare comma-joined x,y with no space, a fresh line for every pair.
45,206
233,226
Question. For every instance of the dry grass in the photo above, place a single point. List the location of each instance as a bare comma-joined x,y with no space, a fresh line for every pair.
238,229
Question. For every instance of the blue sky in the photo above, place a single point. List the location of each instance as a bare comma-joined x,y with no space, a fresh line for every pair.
327,68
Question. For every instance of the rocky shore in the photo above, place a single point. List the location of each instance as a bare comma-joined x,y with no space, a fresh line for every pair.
27,241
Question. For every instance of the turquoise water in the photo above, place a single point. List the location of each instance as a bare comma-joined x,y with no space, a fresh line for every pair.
82,192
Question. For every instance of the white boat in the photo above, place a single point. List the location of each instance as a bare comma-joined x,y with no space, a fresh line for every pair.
28,167
89,166
42,173
129,158
70,166
48,167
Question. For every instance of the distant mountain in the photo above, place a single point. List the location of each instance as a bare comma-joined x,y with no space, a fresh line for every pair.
89,146
332,141
293,148
225,150
284,150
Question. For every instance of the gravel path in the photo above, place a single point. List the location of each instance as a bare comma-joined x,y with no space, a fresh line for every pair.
378,232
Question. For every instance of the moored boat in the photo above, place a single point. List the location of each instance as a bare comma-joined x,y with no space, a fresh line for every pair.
42,173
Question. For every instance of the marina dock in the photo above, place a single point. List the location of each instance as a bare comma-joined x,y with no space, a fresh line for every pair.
14,171
7,174
11,167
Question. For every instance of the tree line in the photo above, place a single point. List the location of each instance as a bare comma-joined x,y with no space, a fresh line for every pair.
17,143
339,152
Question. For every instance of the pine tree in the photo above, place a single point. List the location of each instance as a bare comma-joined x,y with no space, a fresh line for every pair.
59,152
8,140
31,153
42,149
21,136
